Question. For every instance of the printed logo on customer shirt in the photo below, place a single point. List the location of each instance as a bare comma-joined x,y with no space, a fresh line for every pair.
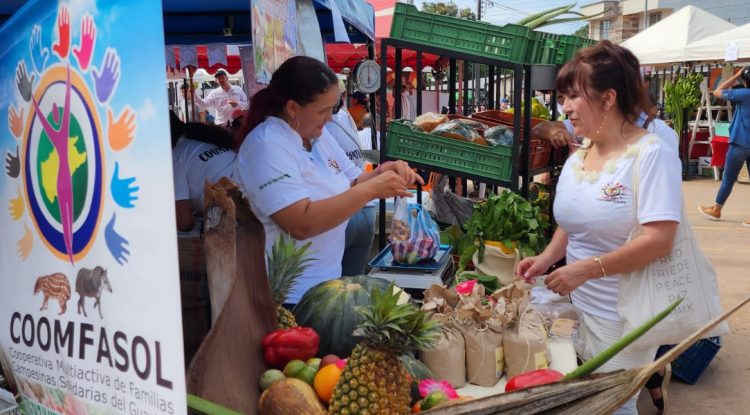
334,165
614,193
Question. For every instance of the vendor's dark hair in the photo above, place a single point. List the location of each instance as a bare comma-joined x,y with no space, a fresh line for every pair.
601,67
299,78
210,134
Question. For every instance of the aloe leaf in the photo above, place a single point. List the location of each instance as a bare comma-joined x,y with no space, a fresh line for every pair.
543,13
597,361
207,407
540,21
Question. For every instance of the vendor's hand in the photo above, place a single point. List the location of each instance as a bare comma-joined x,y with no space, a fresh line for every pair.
562,138
402,168
233,103
531,267
387,184
566,279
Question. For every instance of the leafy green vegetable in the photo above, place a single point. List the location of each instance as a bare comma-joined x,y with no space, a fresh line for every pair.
456,237
510,219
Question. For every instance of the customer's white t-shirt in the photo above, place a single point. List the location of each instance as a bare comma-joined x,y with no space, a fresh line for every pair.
275,171
596,210
194,162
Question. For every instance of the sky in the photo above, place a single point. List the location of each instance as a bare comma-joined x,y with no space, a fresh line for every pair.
510,11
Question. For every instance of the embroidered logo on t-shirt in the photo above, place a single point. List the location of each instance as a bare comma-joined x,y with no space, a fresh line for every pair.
613,192
334,165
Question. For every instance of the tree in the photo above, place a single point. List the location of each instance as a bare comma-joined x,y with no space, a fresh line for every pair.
467,14
449,9
583,31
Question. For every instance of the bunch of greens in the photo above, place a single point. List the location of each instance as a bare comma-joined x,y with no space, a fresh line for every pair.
510,219
681,97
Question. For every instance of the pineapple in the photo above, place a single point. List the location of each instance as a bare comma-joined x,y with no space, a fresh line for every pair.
285,264
374,380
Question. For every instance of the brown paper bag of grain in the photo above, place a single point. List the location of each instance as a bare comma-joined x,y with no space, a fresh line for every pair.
447,359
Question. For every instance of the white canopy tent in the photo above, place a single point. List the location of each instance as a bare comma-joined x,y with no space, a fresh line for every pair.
714,48
667,41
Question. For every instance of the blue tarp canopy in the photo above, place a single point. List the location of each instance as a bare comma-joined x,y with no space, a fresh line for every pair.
204,21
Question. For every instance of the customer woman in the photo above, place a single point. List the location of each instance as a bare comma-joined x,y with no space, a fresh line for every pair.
297,179
594,206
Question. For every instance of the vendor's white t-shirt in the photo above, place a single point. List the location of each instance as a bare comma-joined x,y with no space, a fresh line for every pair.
194,162
596,210
656,126
275,171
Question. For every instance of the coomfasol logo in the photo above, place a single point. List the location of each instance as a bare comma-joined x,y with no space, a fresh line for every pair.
63,124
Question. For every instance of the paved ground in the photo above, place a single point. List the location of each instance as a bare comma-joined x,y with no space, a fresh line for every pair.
724,386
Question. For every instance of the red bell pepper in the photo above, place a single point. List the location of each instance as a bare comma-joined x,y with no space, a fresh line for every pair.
284,345
532,378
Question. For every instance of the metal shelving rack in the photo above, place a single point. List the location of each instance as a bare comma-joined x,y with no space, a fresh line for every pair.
535,77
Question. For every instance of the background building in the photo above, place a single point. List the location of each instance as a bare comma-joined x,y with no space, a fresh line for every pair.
625,18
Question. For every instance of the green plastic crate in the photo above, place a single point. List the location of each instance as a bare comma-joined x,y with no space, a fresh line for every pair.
507,43
543,49
570,44
553,49
431,150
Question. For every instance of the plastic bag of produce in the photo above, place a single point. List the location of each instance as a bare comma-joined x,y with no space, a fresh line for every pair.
414,235
429,120
477,125
457,131
499,135
446,206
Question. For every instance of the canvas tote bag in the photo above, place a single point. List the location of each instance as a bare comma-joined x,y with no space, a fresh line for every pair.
684,273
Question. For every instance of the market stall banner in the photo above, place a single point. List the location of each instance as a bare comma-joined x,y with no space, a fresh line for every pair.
90,312
274,27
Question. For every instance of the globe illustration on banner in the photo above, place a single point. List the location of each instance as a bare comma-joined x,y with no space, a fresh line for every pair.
64,183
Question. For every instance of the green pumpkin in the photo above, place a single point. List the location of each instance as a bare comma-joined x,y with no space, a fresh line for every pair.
329,309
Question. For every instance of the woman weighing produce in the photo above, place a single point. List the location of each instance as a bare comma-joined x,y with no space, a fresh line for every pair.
296,177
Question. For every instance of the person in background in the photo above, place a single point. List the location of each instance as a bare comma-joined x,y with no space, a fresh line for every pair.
408,103
739,141
224,100
504,103
360,230
603,94
297,178
200,153
365,134
183,104
358,107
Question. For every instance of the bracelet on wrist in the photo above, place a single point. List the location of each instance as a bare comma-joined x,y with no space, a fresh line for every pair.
598,260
